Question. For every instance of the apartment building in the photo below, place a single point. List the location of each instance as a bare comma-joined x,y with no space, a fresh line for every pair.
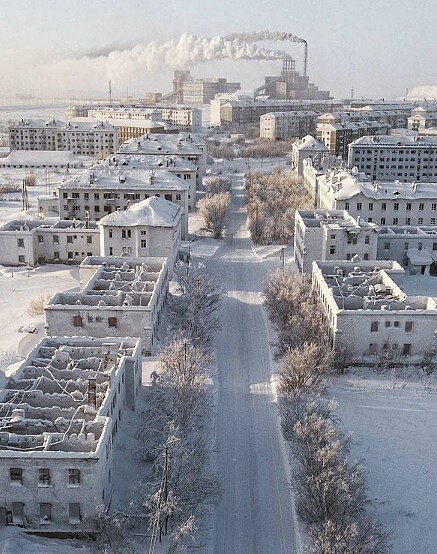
422,117
337,135
150,228
182,146
94,138
284,125
102,190
61,411
304,148
389,158
376,308
184,118
332,235
32,241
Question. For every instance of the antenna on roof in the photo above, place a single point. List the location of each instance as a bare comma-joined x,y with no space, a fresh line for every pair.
110,91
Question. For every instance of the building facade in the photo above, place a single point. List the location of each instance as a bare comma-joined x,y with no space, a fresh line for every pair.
60,412
284,125
94,138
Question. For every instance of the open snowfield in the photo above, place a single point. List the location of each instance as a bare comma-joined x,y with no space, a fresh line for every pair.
394,426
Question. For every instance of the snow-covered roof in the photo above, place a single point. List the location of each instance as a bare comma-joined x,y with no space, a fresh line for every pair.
106,177
309,142
351,125
72,125
168,162
399,141
165,144
303,113
40,157
153,212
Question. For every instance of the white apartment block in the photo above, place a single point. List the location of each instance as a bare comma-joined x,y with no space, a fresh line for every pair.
383,203
182,146
284,125
93,138
184,118
376,308
60,414
124,297
387,158
32,241
331,235
423,117
150,228
184,169
102,190
304,148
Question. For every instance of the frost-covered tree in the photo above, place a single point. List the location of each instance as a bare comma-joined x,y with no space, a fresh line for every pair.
214,210
217,185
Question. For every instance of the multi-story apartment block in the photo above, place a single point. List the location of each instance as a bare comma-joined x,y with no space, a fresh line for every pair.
283,125
97,192
183,146
202,91
150,228
32,241
384,203
376,308
184,118
60,412
94,138
124,297
389,158
332,235
244,111
337,135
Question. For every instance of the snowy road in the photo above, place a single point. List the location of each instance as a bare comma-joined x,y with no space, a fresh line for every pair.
255,515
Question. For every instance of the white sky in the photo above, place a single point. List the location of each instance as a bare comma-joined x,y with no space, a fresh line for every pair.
380,47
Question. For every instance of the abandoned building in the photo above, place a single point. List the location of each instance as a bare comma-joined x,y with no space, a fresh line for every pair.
124,297
60,412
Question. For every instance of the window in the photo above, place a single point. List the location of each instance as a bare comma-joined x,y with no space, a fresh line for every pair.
408,326
432,221
387,324
20,243
408,207
420,221
366,256
45,512
358,206
434,207
73,477
110,233
367,239
396,206
143,243
370,206
96,196
369,220
406,350
382,220
346,205
421,206
396,324
16,475
40,238
55,239
332,237
43,477
386,246
86,195
373,349
73,513
97,208
69,239
112,321
168,197
383,207
17,513
332,250
374,326
407,221
126,233
21,260
420,246
77,321
111,251
89,239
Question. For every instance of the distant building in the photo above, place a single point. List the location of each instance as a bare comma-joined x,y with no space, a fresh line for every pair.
202,91
61,411
32,241
307,147
389,158
422,117
94,138
41,159
125,296
337,135
376,309
284,125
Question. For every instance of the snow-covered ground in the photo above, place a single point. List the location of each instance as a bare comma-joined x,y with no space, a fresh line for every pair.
394,426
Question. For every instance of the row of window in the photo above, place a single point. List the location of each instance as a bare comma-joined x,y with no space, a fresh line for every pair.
78,320
408,326
406,349
116,196
383,206
18,515
44,479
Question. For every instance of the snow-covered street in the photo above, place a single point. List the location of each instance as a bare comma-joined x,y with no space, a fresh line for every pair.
255,513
